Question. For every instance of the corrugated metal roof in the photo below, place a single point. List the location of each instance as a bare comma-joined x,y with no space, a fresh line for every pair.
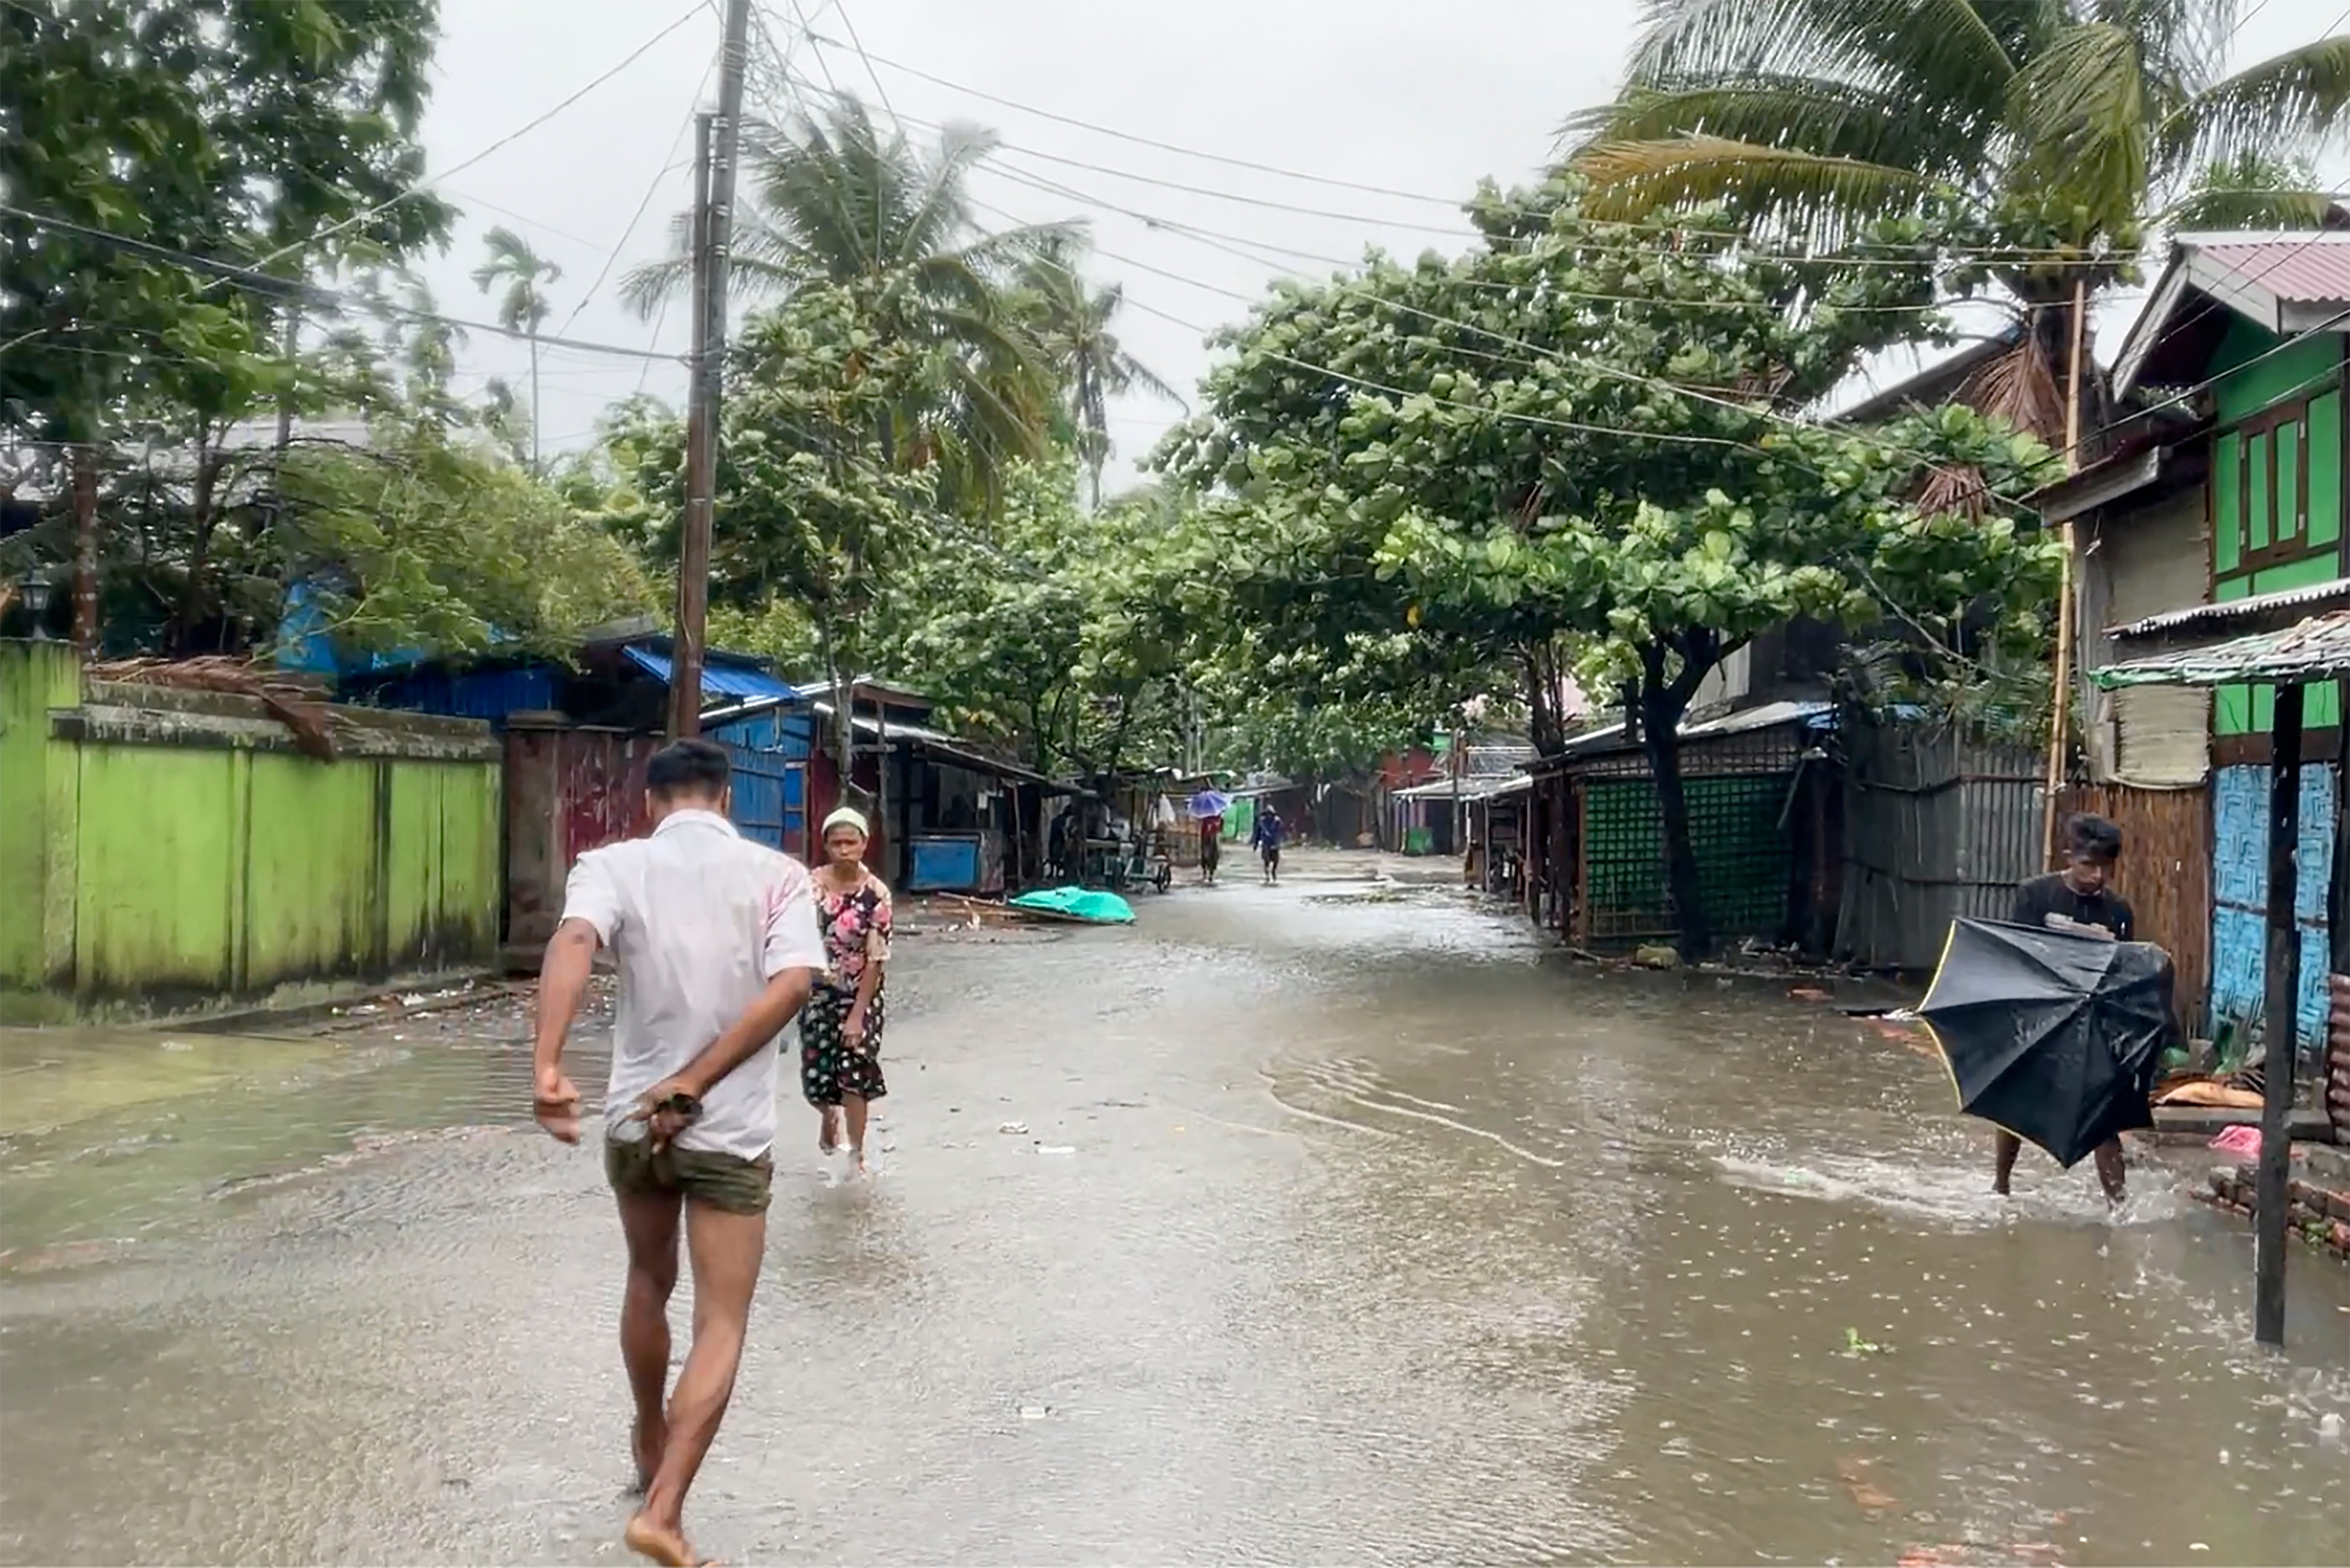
2312,268
1765,716
2316,650
718,680
2217,616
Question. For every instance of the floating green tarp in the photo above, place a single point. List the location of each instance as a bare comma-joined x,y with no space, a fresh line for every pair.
1095,909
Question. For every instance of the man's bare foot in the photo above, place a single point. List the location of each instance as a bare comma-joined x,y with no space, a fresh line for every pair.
649,1539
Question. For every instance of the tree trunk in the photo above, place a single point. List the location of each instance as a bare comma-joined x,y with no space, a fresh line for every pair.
534,402
210,460
1658,706
1661,713
85,505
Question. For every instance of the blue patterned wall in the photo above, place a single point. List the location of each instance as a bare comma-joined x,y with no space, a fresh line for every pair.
2240,882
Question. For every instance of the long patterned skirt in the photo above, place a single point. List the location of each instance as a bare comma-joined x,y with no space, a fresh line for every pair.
829,1067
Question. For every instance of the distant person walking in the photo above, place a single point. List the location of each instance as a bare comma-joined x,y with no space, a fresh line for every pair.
1208,809
840,1029
2076,899
717,943
1266,839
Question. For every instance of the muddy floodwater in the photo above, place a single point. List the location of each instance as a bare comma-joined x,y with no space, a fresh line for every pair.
1338,1223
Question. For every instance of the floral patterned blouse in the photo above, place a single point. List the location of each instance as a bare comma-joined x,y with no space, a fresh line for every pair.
856,928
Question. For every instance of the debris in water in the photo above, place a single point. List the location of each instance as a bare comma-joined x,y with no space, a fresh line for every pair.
1656,955
1057,1149
177,1045
1035,1412
1855,1345
1013,1129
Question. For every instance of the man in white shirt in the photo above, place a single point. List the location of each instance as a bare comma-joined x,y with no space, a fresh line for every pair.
717,943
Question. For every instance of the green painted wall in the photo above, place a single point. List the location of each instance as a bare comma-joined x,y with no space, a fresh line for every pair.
140,875
2262,381
2291,535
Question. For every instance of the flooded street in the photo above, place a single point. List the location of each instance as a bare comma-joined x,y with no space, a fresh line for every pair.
1341,1221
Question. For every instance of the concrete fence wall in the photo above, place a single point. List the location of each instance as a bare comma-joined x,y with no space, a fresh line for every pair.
168,850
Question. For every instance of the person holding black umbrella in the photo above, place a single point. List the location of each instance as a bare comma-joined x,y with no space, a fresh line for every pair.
2079,899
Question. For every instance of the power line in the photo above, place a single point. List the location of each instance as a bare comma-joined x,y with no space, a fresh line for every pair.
850,23
669,166
1165,145
507,140
1645,238
271,286
1649,230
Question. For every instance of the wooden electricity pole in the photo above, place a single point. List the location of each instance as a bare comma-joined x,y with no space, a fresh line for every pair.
2059,722
716,139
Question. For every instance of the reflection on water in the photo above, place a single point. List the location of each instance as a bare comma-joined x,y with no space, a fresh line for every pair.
108,1134
1383,1234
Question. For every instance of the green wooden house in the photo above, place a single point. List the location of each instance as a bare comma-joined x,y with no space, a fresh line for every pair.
2247,332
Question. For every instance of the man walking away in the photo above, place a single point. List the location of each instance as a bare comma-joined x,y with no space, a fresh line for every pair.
1267,840
2076,899
717,944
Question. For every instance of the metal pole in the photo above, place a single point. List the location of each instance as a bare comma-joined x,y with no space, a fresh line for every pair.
2281,1027
694,550
2059,724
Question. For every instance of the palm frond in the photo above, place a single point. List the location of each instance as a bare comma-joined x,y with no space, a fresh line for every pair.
1800,193
2220,207
1938,53
2296,102
2080,116
1831,118
2019,387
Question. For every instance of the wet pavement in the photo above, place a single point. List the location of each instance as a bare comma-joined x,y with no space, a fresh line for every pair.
1344,1222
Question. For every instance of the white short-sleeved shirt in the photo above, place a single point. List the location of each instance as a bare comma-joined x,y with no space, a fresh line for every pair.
700,918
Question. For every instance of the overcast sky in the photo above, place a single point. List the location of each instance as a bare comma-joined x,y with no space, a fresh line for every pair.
1406,95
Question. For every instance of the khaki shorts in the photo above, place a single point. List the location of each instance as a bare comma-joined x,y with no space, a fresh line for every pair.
726,1182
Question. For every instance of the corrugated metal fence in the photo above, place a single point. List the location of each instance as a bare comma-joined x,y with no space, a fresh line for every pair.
1936,827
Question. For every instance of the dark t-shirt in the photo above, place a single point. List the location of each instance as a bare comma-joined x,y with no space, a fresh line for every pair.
2051,895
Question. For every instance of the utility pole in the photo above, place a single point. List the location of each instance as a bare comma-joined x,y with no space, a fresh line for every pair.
2059,724
716,139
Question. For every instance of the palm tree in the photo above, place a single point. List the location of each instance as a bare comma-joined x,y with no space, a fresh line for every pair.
522,308
1071,321
837,199
2061,130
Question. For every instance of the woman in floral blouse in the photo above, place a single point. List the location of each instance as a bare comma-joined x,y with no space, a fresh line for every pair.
840,1027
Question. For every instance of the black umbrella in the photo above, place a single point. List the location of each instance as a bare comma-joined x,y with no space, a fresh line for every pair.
2052,1034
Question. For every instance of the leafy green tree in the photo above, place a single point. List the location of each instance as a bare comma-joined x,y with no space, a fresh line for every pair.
817,516
136,135
989,619
2055,133
523,273
1553,450
428,538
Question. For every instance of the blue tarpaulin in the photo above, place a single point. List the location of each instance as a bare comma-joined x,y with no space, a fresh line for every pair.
1078,904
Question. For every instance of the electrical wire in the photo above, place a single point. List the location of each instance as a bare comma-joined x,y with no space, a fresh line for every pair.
669,166
510,138
2010,253
271,286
